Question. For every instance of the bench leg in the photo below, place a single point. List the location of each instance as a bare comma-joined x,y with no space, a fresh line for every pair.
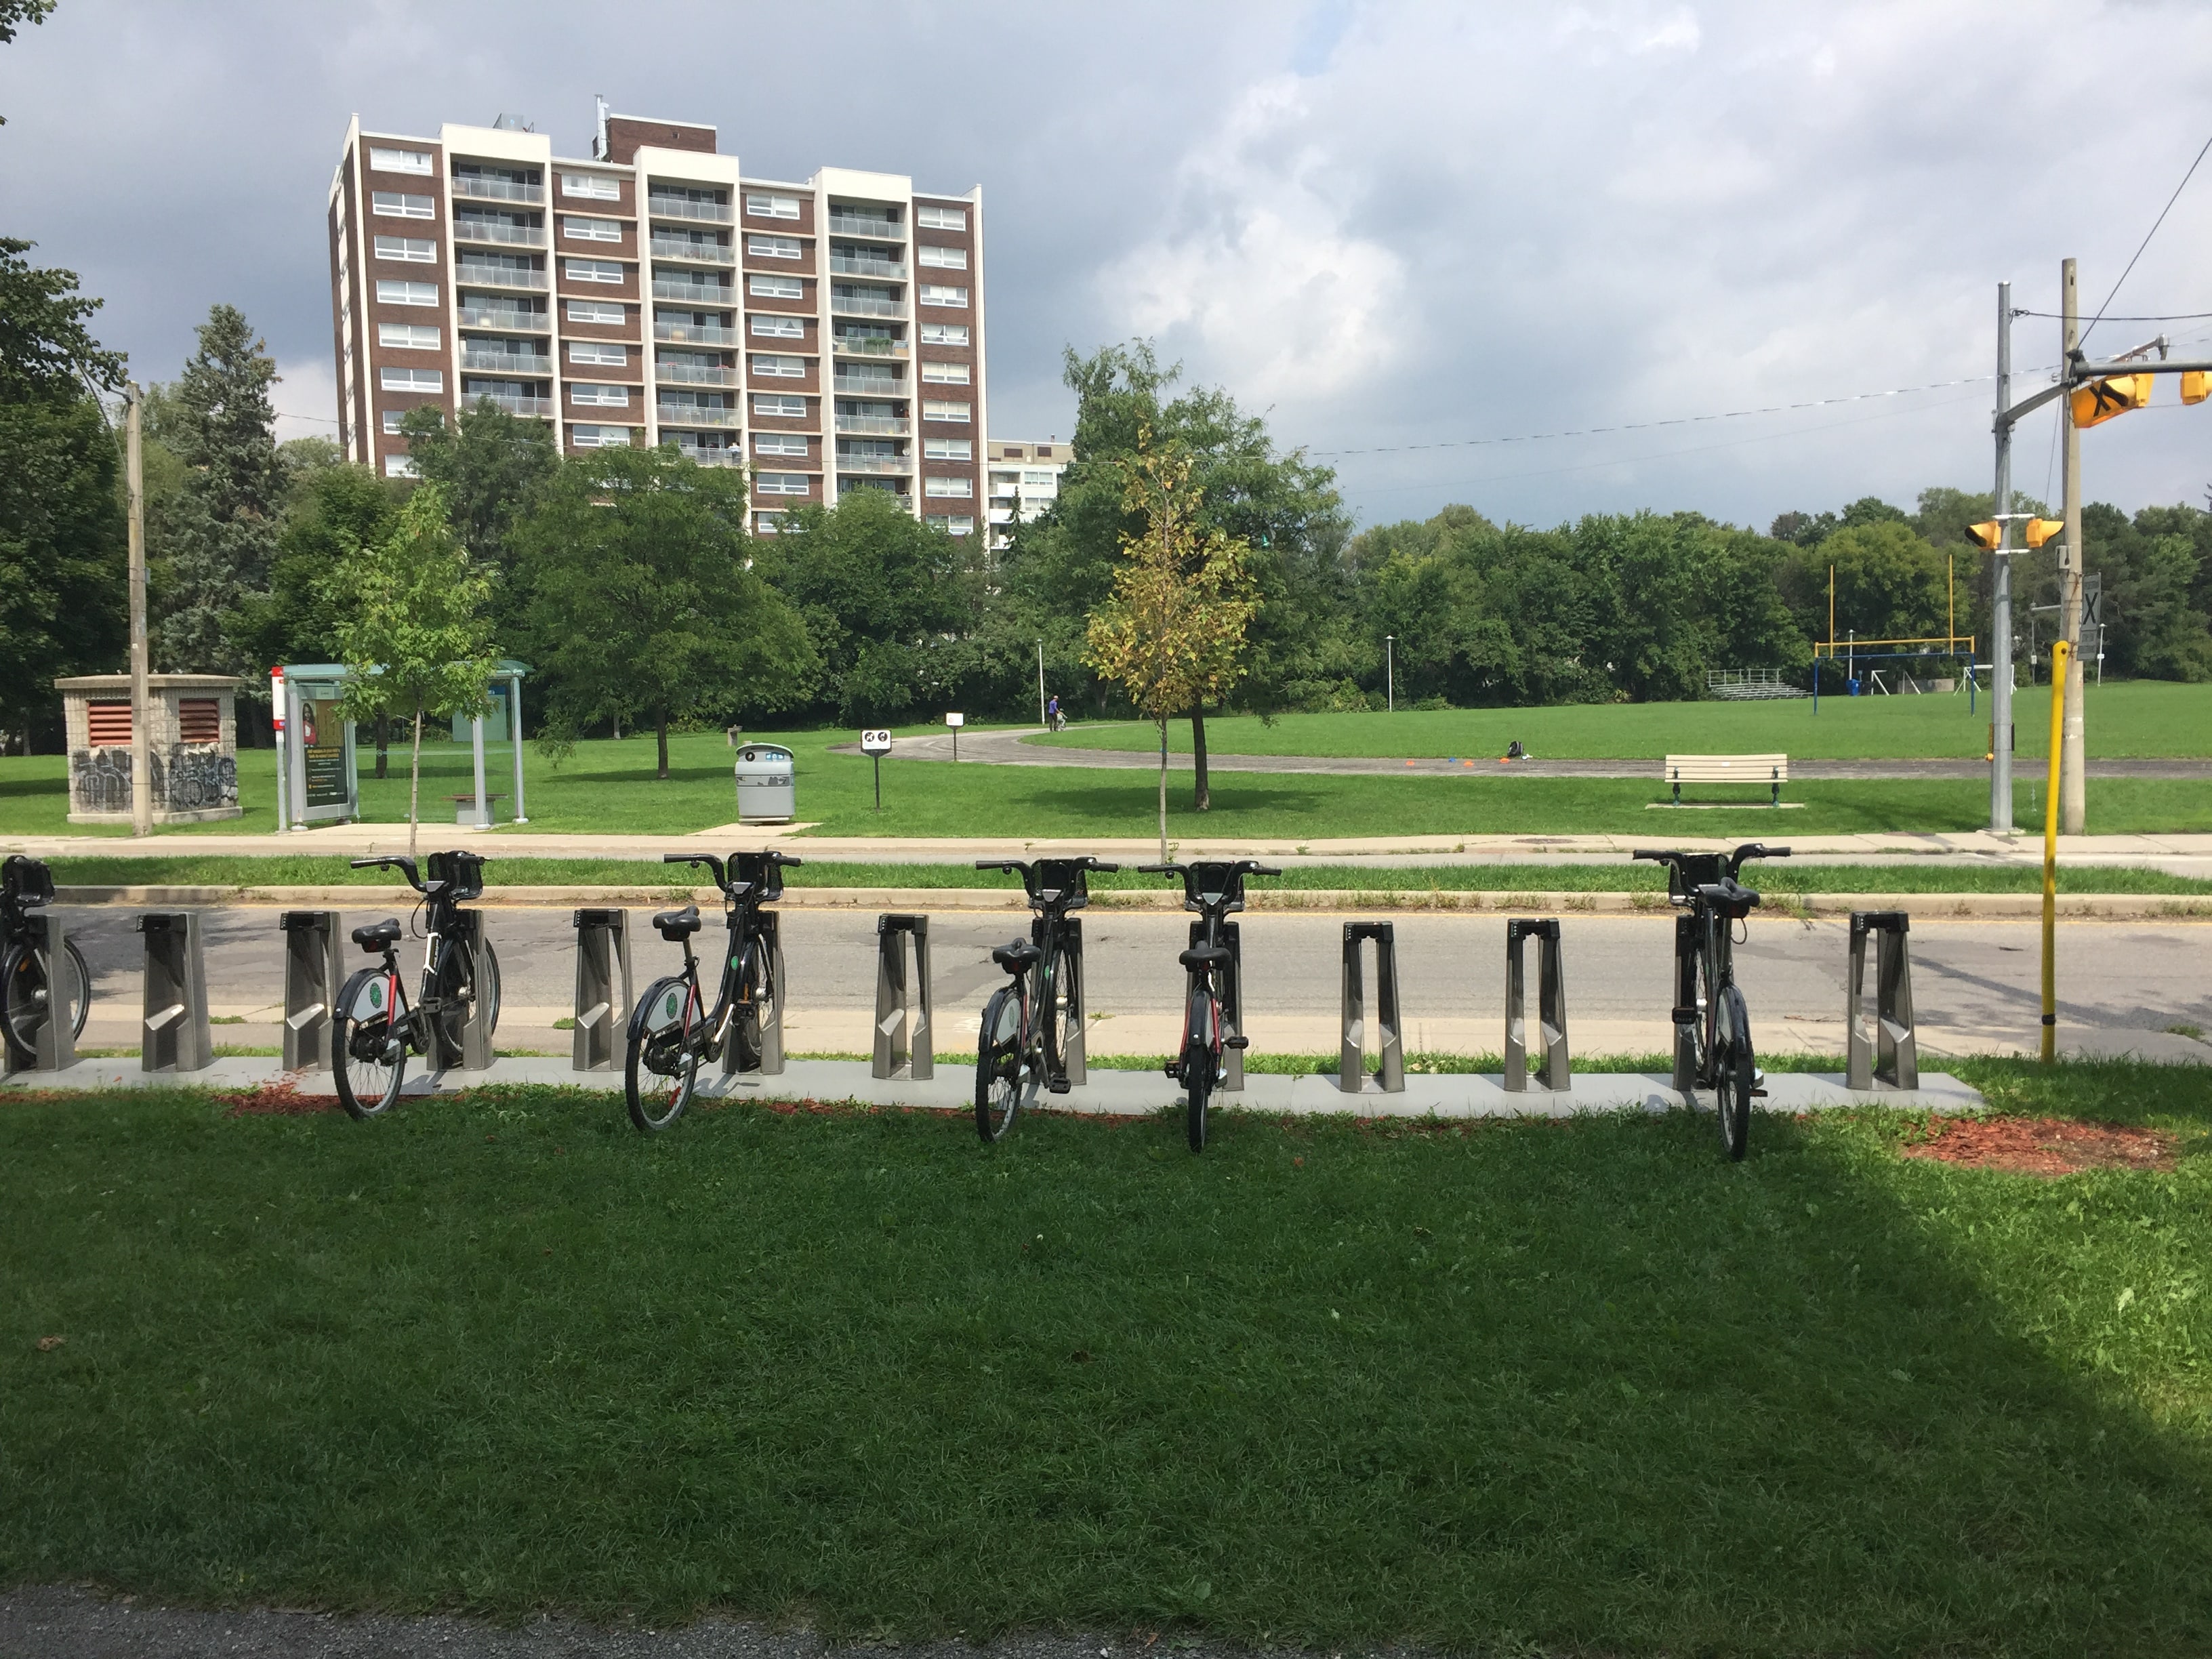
1678,791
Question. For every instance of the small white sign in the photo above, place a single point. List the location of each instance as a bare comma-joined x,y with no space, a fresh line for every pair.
956,720
875,743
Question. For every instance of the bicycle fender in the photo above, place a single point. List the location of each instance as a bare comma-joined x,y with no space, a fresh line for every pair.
645,1003
360,976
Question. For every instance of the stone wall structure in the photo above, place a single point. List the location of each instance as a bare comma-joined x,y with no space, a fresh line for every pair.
192,745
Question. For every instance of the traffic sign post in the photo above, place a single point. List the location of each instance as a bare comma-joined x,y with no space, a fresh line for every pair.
876,744
955,721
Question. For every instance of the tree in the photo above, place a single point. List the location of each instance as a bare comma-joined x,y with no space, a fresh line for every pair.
217,539
45,350
412,625
491,464
15,12
642,600
1173,632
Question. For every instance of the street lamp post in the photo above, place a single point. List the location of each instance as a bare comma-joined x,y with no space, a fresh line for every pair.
1389,673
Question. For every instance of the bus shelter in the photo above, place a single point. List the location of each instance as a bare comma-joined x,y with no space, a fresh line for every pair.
318,769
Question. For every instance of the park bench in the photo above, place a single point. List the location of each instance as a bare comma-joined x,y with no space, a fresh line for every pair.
1773,770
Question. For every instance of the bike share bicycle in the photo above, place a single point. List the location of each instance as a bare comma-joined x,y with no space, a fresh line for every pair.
376,1027
1707,1000
1216,892
671,1031
27,967
1023,1042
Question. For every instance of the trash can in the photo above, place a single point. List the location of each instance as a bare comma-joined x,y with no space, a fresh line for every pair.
766,794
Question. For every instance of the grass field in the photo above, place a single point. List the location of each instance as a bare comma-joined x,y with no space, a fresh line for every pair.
1620,876
2142,718
1576,1386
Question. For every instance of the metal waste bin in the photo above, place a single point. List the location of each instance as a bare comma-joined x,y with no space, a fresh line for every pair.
766,794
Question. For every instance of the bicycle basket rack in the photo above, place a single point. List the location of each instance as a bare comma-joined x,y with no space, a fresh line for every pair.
764,872
26,881
462,872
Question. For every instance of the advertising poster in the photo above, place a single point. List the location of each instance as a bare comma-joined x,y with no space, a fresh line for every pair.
323,748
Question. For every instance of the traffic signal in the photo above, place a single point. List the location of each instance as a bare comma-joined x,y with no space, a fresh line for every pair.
2040,530
2101,400
1989,534
2195,386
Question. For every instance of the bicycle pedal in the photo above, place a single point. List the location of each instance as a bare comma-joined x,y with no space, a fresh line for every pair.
1059,1085
1759,1094
1685,1016
1170,1070
1237,1043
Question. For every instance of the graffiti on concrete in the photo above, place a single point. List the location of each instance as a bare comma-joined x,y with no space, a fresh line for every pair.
100,781
200,779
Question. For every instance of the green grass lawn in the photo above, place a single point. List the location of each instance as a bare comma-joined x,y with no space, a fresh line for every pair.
610,787
299,870
1570,1386
2142,718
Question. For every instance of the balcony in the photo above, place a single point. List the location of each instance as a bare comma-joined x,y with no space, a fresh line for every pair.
845,304
486,275
875,463
507,362
498,230
698,253
706,457
694,375
693,334
881,270
677,207
881,426
844,224
717,295
867,345
497,190
866,385
506,317
512,404
694,415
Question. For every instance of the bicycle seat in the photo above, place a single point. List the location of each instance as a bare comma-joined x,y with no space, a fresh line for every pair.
676,926
377,935
1201,956
1016,955
1729,897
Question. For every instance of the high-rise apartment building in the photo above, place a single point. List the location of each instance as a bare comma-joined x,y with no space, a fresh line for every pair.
830,331
1023,482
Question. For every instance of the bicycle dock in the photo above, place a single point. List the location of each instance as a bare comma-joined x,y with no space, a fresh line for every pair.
173,1029
771,1019
1885,1052
1389,1074
603,990
1553,1073
315,970
904,1042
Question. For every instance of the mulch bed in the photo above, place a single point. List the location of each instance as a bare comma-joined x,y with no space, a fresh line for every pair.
2045,1147
276,1100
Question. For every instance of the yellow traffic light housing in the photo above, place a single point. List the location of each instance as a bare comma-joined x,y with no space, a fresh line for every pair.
2102,400
1989,534
2040,530
2195,386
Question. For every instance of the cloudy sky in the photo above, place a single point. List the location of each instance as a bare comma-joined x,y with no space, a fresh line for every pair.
1395,228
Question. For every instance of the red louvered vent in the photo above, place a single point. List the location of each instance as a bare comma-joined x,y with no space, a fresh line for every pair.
111,723
199,720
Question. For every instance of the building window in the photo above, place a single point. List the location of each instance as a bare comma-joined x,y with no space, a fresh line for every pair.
406,294
599,397
934,411
780,328
408,250
600,437
936,293
948,449
611,354
398,466
411,379
941,218
780,408
591,230
948,487
946,373
761,205
953,524
944,258
409,336
591,187
768,524
398,161
780,368
392,420
772,247
393,205
592,271
948,334
1045,479
780,443
783,483
776,288
597,311
1044,451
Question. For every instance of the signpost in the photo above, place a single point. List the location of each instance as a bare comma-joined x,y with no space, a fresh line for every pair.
955,721
876,744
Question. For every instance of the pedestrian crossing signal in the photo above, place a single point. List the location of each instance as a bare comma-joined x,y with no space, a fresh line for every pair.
2103,400
2195,386
1988,534
2040,530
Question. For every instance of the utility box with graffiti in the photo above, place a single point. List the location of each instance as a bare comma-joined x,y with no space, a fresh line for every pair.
192,742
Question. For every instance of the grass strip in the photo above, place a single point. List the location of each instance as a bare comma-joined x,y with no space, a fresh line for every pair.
1575,1385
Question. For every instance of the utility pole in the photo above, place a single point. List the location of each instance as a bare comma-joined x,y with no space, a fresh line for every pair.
2000,588
1041,719
1390,673
142,749
2072,802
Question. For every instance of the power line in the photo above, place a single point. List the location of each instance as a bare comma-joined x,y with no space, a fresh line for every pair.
2152,232
2171,317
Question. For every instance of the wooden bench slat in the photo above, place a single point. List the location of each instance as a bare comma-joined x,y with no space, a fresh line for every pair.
1772,770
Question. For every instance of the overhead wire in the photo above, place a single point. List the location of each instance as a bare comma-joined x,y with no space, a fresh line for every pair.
2147,234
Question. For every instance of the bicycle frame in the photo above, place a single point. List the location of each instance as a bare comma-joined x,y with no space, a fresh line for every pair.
747,925
1055,887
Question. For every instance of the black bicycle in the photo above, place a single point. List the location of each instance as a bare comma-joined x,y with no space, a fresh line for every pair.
671,1031
28,969
1707,1000
377,1027
1213,1002
1024,1043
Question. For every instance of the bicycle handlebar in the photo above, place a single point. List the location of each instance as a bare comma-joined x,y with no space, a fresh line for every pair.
394,861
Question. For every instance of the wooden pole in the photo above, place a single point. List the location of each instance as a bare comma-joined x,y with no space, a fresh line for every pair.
2061,655
142,748
2073,802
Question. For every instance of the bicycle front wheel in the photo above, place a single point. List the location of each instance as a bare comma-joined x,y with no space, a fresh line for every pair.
755,1011
1063,1010
1002,1071
663,1065
490,989
32,990
1201,1033
1734,1074
368,1055
455,987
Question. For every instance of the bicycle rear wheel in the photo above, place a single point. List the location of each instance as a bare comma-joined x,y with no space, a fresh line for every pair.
368,1055
1003,1076
1201,1034
1734,1074
662,1066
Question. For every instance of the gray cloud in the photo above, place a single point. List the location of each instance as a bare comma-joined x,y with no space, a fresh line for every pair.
1388,224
